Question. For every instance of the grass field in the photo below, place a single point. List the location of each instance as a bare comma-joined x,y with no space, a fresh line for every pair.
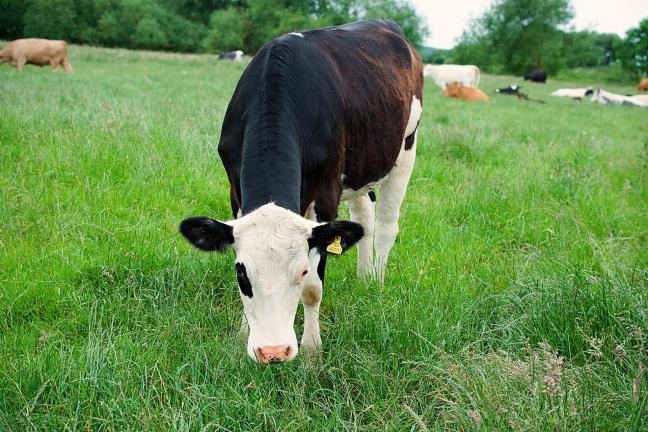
515,297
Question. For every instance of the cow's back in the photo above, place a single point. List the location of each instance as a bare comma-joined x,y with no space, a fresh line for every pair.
380,74
337,98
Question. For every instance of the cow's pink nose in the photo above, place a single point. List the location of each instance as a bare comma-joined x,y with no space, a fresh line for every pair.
273,354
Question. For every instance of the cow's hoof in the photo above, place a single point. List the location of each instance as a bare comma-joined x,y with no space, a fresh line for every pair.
311,345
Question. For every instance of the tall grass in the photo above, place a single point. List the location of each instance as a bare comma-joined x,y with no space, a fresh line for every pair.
515,296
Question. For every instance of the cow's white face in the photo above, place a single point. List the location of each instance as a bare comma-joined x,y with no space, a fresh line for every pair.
272,247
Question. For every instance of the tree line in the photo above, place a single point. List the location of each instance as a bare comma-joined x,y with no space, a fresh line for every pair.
192,25
517,36
513,36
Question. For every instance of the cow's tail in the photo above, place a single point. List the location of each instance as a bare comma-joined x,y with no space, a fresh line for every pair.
478,77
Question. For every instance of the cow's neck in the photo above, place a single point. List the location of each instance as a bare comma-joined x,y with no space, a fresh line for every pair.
272,152
270,167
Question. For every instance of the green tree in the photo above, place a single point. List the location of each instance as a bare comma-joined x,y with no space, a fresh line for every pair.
51,19
400,11
236,21
149,34
12,14
633,51
519,35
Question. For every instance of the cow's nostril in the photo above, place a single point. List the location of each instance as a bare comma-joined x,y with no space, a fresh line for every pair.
273,354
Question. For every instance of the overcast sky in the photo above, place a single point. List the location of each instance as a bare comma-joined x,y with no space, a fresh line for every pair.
448,18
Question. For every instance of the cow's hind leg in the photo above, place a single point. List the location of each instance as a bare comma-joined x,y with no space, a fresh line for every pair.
362,211
54,65
67,67
392,193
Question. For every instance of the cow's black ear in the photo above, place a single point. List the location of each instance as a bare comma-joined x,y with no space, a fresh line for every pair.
207,234
325,235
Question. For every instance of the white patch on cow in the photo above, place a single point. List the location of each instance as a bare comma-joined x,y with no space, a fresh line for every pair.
238,56
301,35
310,212
350,194
415,115
272,243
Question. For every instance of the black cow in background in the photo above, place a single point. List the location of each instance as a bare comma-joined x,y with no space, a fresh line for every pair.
538,76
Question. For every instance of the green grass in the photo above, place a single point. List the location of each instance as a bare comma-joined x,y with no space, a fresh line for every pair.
515,295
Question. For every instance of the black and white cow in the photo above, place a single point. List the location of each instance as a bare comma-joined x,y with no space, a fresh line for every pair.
513,89
317,117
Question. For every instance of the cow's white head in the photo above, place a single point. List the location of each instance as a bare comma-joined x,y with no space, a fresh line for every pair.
276,251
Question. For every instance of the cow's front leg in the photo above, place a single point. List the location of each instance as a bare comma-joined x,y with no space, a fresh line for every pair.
311,298
245,328
362,211
20,64
54,65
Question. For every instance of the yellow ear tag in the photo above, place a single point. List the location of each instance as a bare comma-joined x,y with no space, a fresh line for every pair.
335,247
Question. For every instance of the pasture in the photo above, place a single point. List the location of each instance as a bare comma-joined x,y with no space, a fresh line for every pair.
515,296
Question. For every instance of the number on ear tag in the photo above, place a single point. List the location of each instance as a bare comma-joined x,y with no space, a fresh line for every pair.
336,246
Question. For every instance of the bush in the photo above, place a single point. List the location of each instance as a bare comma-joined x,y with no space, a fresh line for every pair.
148,34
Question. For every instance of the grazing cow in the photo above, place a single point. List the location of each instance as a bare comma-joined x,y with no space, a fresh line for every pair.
607,98
301,133
510,90
39,52
574,93
236,56
643,85
538,76
460,91
443,75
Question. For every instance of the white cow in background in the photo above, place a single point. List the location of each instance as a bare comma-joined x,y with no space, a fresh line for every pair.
607,98
573,92
640,98
443,75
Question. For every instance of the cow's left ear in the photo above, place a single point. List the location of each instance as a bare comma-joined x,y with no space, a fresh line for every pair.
336,236
207,234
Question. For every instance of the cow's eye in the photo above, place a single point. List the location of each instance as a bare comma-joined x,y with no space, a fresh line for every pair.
304,273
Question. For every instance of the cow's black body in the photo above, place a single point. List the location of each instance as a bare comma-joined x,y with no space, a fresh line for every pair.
539,76
314,106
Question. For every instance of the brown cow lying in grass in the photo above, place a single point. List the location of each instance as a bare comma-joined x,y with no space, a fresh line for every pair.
643,85
459,91
39,52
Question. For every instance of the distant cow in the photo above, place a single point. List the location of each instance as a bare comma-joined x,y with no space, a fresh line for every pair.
643,85
510,90
301,133
640,98
236,56
607,98
460,91
39,52
443,75
538,76
574,93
